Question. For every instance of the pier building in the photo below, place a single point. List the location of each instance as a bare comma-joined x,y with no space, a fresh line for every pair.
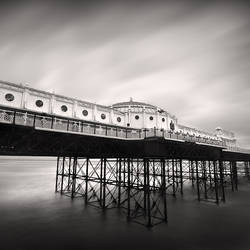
128,156
131,114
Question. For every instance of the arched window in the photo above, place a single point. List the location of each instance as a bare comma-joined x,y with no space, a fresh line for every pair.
137,117
64,108
39,103
85,112
163,119
103,116
119,119
151,118
9,97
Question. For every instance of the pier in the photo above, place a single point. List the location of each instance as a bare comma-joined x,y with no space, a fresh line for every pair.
129,166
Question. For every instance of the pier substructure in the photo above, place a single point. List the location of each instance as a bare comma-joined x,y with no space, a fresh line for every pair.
247,170
137,186
205,177
230,174
209,180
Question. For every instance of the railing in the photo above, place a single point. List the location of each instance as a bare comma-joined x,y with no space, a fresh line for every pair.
238,149
84,127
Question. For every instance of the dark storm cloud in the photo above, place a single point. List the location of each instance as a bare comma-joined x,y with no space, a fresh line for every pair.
188,57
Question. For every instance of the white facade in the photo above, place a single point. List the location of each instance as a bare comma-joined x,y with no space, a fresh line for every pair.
18,93
227,136
25,98
125,114
142,115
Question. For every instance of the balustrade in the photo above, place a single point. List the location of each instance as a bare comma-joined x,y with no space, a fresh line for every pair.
55,123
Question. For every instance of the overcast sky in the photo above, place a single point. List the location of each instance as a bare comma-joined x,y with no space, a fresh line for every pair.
190,58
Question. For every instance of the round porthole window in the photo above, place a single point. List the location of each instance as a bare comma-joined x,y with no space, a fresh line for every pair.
137,117
85,112
151,118
39,103
64,108
163,119
103,116
119,119
9,97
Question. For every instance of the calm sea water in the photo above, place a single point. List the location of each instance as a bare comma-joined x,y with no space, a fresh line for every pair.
33,216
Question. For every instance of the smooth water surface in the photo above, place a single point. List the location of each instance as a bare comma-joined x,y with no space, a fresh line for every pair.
33,216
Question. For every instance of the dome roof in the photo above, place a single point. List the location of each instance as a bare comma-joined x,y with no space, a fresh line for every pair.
218,128
133,103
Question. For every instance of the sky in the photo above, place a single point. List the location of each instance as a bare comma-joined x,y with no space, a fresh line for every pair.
190,58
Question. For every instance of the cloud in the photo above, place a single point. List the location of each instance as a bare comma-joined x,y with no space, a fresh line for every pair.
188,57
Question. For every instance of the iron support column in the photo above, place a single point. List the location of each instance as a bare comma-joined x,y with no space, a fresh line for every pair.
173,177
181,176
197,180
101,176
247,170
104,184
222,180
148,195
57,170
235,174
74,177
231,175
119,181
62,174
69,174
204,178
86,180
128,184
216,182
163,170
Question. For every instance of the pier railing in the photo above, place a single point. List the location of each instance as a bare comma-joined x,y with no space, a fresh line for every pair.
55,123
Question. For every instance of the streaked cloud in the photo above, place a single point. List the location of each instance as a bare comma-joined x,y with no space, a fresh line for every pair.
188,57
